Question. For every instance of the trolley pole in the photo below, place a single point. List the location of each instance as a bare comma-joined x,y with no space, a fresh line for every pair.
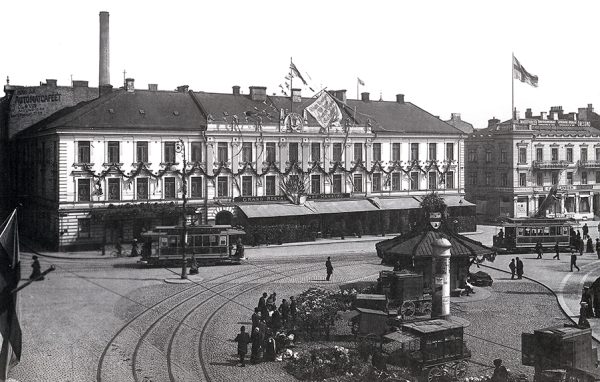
180,148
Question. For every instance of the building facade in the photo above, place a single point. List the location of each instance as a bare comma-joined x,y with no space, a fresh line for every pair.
123,163
512,166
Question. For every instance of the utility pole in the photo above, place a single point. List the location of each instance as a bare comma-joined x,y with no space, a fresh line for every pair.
180,148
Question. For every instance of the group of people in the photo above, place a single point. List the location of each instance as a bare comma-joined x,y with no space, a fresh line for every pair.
516,267
267,321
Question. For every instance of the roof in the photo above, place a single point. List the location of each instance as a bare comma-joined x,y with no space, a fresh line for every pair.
273,210
463,126
341,206
432,326
451,201
140,109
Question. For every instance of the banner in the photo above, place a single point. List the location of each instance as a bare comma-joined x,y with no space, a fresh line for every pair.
523,75
326,111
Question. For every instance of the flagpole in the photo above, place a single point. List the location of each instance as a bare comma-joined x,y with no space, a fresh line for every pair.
512,76
291,87
357,88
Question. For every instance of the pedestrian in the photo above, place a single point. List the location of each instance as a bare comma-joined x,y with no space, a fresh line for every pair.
557,251
262,306
276,321
513,268
500,372
256,345
284,309
243,339
589,248
598,248
585,230
583,322
134,249
539,249
329,268
118,246
36,273
255,319
586,297
194,266
574,260
270,347
271,301
293,309
581,245
519,269
239,248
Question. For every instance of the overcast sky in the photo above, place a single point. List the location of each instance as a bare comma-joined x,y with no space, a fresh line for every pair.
445,56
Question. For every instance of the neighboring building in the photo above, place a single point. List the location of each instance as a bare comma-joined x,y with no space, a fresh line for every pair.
512,166
111,168
456,121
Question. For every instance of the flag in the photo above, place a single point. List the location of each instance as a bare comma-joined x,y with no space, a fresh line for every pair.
326,111
296,72
10,274
523,75
360,82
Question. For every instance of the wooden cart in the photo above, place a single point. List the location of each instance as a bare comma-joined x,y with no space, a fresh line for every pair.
405,293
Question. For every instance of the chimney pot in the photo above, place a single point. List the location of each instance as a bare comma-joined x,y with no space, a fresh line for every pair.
544,115
364,96
51,83
493,121
129,85
455,117
183,88
153,87
258,93
400,98
296,95
104,89
236,90
340,94
528,113
80,84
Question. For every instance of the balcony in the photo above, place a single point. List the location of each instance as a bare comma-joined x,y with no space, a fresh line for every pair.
550,164
589,163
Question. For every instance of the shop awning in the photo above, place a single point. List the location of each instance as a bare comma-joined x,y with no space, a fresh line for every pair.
273,210
341,206
451,201
397,203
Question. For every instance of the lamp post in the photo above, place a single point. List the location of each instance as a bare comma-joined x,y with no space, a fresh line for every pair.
180,148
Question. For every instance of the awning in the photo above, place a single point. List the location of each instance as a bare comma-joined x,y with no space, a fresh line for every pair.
341,206
451,200
273,210
397,203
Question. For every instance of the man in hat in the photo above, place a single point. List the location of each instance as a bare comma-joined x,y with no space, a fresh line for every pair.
243,339
574,260
519,268
557,251
500,372
329,268
513,269
36,273
598,247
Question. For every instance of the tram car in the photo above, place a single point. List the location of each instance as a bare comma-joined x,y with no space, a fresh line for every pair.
208,244
523,234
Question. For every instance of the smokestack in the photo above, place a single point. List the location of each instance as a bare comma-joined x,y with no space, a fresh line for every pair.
104,69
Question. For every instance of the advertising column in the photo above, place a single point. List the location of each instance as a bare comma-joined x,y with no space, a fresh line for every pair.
441,278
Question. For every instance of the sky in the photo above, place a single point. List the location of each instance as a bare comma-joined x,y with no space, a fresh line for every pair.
444,56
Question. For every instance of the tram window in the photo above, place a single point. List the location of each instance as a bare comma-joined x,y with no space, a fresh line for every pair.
164,242
198,241
520,231
546,231
173,241
565,230
213,239
222,240
205,241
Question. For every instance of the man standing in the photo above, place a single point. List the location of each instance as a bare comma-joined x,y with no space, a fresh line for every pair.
519,269
262,306
539,249
598,248
242,339
585,230
255,319
574,260
557,251
293,309
36,273
500,372
329,268
513,268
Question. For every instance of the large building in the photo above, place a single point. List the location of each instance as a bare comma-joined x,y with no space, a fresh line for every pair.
511,166
286,168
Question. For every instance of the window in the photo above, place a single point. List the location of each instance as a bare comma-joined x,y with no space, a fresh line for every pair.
522,155
196,152
222,186
488,156
376,182
141,151
584,156
522,179
414,151
598,153
472,156
169,184
270,185
357,183
597,176
569,178
270,147
315,184
84,227
450,180
432,180
554,154
414,180
432,151
503,156
503,179
539,154
395,151
569,154
584,177
377,152
337,183
488,179
83,190
554,177
113,152
247,152
196,191
337,152
449,151
540,179
246,186
169,152
473,179
222,152
142,188
293,152
114,189
584,204
358,152
396,185
315,152
83,150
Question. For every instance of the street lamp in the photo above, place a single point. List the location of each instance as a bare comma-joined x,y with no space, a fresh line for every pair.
180,148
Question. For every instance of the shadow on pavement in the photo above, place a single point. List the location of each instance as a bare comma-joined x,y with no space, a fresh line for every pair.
231,362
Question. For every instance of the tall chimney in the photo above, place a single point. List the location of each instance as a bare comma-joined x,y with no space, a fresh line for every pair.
104,69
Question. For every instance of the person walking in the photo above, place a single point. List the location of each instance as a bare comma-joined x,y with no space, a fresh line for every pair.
329,268
256,344
539,249
574,260
557,251
262,306
36,272
585,230
589,247
598,248
243,339
513,268
519,269
255,318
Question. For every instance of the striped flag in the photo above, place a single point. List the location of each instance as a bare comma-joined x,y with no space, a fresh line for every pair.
360,82
296,72
523,75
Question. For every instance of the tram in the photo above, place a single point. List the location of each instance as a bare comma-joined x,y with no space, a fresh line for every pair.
208,244
523,234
